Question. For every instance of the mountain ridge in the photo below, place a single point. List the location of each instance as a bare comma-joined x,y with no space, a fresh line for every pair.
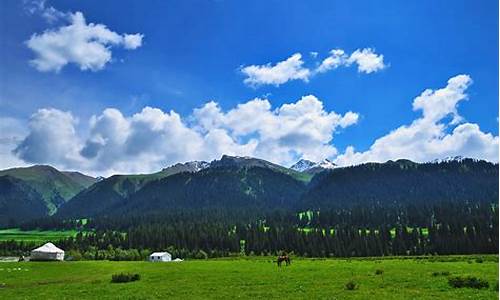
56,187
255,183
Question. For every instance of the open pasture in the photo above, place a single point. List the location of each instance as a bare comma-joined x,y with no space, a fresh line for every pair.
252,278
35,235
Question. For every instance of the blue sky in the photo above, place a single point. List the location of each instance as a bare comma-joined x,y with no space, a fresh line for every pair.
193,52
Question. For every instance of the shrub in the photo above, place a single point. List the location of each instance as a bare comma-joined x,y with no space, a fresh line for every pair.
443,273
351,285
479,260
379,272
125,277
468,282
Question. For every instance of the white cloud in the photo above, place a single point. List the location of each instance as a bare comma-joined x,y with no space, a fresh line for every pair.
336,59
86,45
49,13
12,132
302,128
293,68
52,138
152,139
132,41
431,136
367,60
284,71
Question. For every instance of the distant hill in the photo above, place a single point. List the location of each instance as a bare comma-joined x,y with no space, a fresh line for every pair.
221,186
239,161
404,182
54,186
250,183
112,191
19,201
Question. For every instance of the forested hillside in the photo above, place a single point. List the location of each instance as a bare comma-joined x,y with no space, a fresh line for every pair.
55,187
111,192
403,182
233,183
229,188
19,202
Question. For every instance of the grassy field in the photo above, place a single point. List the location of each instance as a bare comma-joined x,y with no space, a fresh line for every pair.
256,278
34,235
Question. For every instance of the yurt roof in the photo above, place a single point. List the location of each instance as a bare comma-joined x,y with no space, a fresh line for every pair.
159,253
48,248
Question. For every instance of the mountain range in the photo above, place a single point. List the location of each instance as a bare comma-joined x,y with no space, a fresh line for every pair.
242,183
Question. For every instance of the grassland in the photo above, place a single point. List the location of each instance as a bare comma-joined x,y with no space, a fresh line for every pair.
34,235
256,278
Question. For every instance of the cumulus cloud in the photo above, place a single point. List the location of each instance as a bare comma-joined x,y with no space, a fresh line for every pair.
132,41
52,138
86,45
432,135
367,60
302,128
12,132
293,68
336,59
284,71
152,139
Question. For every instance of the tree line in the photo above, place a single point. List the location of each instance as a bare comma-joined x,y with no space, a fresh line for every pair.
369,230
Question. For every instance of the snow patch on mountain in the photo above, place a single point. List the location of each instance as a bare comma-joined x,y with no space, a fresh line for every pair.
190,166
448,159
303,165
308,166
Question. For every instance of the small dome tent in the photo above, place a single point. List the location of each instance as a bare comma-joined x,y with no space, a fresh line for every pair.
47,252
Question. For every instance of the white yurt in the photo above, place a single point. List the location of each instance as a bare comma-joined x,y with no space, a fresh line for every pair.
47,252
160,257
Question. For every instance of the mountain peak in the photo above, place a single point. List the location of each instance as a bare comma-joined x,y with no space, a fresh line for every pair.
302,165
307,166
326,164
190,166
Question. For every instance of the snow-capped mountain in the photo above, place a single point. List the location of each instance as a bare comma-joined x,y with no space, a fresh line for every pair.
311,167
191,166
303,165
197,165
326,164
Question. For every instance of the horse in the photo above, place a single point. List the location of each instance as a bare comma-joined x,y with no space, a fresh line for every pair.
283,258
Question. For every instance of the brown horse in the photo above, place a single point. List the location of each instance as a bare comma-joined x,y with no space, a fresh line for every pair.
283,258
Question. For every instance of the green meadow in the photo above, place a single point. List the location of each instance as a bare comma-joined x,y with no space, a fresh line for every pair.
35,235
252,278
